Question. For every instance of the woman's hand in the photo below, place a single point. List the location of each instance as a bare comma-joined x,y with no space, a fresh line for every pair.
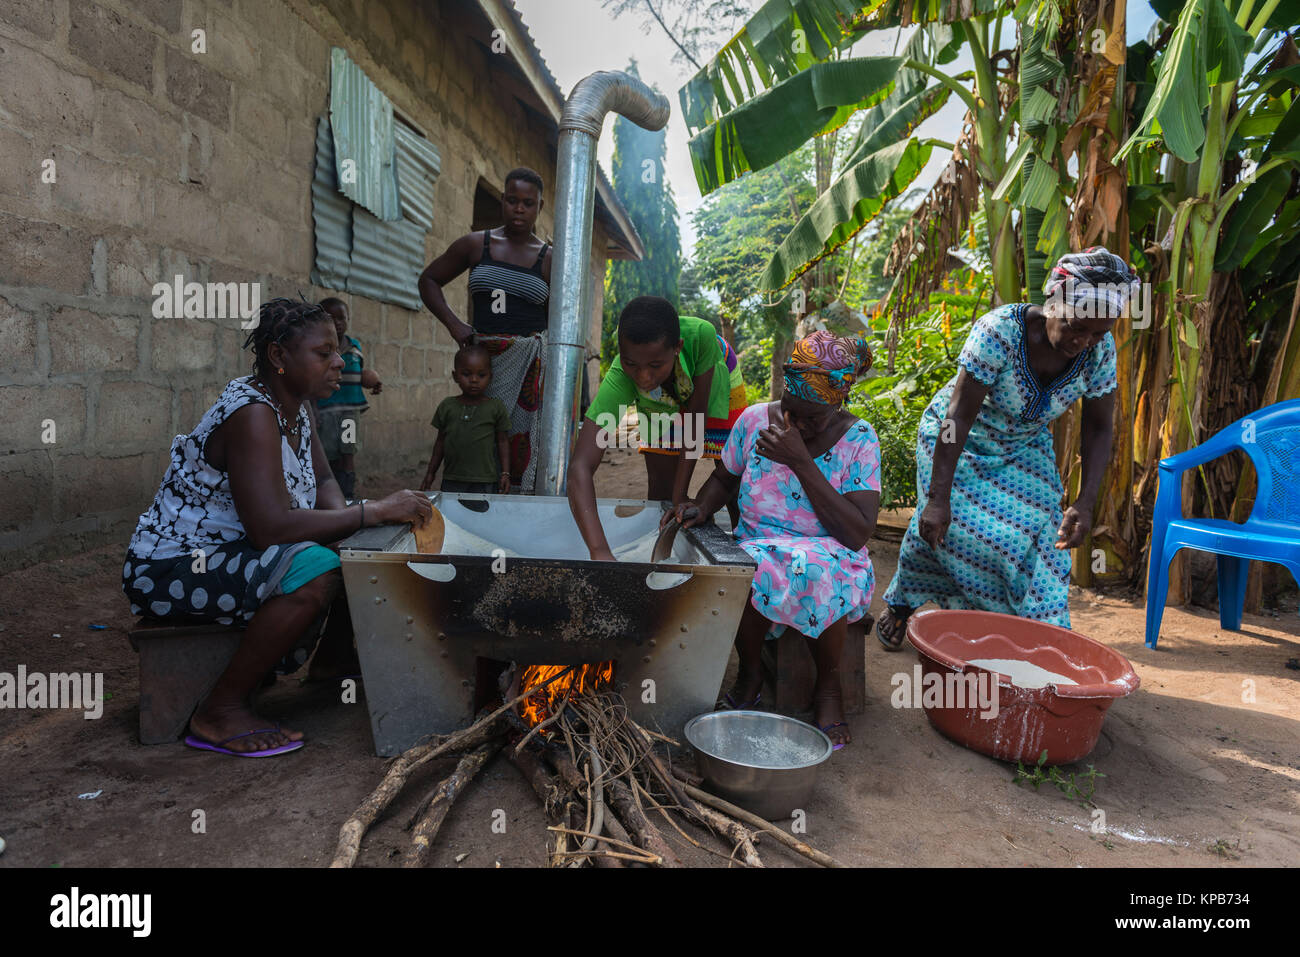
403,506
688,514
933,523
785,446
602,555
503,483
1074,527
461,331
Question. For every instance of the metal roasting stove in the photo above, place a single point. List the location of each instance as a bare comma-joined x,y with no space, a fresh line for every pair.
514,584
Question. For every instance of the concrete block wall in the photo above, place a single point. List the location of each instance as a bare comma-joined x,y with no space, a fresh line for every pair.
167,161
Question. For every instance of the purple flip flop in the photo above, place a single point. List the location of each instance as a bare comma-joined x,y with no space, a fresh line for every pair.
830,727
731,705
196,742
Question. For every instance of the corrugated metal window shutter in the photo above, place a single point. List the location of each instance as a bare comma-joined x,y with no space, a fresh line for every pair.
364,154
356,250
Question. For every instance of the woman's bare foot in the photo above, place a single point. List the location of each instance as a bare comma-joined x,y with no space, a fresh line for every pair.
216,725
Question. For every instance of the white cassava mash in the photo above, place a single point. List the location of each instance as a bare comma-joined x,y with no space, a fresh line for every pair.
1023,674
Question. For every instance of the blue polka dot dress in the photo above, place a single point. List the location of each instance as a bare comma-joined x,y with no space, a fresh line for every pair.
999,553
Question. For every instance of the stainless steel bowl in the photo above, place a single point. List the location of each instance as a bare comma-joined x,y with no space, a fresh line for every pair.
766,763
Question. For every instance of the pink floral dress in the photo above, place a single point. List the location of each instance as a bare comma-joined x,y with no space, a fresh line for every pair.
805,578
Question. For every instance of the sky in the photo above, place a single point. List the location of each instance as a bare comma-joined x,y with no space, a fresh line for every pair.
578,37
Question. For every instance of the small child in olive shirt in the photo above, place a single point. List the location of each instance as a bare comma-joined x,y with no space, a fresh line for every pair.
473,429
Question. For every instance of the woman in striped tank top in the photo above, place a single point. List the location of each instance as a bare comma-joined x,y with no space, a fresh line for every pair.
509,283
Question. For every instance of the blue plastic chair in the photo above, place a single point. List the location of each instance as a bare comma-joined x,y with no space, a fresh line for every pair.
1271,437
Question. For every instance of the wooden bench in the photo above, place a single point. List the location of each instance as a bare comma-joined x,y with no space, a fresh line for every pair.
179,664
789,672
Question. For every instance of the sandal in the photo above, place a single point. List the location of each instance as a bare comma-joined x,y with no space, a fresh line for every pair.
827,729
891,630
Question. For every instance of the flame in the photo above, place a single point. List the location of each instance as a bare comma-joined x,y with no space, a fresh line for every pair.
536,708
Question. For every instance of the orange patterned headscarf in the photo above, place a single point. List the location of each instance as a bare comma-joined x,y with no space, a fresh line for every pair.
823,367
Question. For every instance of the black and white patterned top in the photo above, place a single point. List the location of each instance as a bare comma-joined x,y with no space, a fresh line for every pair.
194,507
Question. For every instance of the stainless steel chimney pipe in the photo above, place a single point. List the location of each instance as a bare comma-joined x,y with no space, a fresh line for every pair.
570,308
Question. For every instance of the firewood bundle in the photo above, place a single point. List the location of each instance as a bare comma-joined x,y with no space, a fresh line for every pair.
612,800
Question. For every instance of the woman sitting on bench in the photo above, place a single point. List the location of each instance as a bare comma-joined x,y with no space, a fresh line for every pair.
238,529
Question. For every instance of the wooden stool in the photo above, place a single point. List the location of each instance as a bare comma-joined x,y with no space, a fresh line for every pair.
789,672
179,664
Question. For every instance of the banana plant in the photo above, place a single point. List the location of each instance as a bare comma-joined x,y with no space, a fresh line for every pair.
778,83
1221,93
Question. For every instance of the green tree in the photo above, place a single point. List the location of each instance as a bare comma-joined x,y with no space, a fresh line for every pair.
639,183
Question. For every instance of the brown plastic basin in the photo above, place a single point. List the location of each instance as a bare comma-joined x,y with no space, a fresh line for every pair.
1063,720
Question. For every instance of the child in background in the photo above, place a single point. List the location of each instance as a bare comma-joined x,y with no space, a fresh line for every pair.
473,431
338,417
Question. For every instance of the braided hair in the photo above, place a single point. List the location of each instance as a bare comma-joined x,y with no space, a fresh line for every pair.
281,320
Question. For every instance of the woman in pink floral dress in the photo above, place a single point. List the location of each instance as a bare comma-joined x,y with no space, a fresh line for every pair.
809,480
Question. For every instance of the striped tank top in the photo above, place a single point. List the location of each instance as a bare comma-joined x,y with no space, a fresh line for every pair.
508,300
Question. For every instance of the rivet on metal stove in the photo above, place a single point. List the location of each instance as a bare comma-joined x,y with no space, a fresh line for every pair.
410,619
715,611
442,636
378,600
646,659
409,636
681,644
651,642
374,580
464,682
684,628
722,591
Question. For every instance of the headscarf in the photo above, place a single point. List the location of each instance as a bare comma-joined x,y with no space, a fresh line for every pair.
1094,283
823,367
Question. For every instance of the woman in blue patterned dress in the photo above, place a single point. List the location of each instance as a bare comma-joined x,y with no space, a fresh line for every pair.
989,532
808,473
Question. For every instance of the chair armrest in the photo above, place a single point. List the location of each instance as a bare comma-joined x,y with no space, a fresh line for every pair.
1209,450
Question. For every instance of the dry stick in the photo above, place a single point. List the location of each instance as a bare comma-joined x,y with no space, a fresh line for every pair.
541,726
444,795
644,834
740,814
699,819
605,838
734,831
612,855
355,827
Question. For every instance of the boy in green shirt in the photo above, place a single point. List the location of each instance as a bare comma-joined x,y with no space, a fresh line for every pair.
684,382
473,429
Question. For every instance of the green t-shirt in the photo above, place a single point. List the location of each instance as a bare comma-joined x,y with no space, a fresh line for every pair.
470,438
700,352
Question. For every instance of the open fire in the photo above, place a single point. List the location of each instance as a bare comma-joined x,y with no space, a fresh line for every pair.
583,679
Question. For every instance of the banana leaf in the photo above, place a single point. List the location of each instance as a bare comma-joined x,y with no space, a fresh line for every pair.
1181,92
786,37
1226,44
1285,17
776,123
851,202
909,102
782,38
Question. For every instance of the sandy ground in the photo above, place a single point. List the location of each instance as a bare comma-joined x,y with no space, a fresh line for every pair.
1194,775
